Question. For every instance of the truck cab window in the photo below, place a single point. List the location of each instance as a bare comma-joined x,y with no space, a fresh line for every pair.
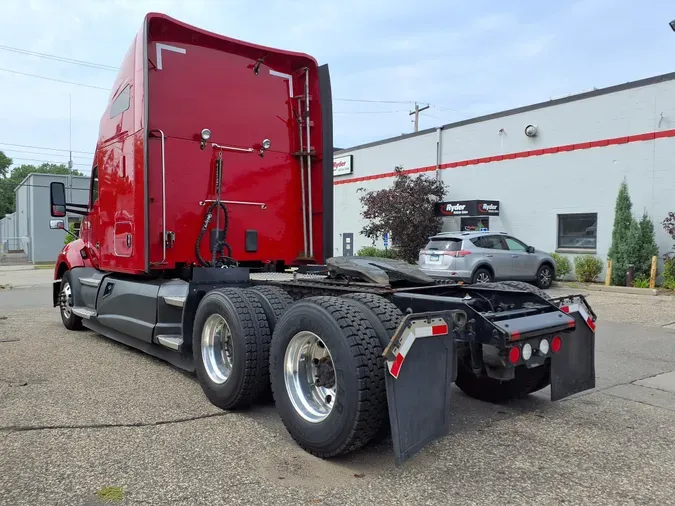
94,186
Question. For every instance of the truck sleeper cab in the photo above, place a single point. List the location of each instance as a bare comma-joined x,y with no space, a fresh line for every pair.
198,206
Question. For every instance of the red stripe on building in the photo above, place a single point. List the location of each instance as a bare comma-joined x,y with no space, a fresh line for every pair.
521,154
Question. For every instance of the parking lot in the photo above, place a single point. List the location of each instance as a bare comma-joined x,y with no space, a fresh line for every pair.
80,413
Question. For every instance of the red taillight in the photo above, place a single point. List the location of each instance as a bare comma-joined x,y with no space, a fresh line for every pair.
556,344
460,253
514,355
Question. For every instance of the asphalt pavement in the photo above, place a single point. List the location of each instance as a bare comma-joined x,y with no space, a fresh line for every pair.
82,416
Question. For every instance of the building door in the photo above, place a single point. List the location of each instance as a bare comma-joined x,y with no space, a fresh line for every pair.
348,244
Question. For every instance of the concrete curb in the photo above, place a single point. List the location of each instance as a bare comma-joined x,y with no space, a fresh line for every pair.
611,289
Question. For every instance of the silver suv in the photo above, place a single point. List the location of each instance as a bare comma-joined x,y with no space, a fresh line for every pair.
480,257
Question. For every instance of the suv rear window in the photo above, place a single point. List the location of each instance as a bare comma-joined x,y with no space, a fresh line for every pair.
445,244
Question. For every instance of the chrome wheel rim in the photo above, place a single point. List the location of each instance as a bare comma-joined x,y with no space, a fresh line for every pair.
483,277
217,350
309,376
66,300
545,276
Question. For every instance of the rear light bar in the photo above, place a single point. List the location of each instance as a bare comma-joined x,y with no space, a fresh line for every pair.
533,347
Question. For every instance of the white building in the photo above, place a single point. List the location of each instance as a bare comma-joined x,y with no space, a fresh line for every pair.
25,234
552,169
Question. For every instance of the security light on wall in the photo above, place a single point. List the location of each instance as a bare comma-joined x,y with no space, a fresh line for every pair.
531,130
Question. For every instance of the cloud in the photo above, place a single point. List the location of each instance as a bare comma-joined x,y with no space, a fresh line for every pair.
463,58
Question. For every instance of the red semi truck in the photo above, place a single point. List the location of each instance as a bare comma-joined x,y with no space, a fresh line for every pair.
212,177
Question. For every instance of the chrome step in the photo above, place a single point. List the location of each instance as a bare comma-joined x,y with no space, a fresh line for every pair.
170,341
175,300
83,312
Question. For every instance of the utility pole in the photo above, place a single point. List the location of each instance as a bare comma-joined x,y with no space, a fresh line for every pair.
417,112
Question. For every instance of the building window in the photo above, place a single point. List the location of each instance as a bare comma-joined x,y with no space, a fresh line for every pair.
121,103
578,231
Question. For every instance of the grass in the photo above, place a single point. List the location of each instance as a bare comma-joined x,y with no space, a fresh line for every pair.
44,266
111,494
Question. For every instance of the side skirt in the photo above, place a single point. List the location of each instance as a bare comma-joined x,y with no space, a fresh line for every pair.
151,349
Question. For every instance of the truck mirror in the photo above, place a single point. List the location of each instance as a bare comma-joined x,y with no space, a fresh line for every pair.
57,199
57,224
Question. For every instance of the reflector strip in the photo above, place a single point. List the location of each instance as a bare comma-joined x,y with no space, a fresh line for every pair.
571,308
418,329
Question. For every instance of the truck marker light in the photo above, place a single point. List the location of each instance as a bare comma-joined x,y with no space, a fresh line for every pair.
543,346
515,335
556,344
514,354
527,351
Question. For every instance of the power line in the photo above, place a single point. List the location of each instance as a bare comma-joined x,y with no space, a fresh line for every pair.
114,69
56,80
58,58
88,157
45,148
16,185
364,112
61,162
373,101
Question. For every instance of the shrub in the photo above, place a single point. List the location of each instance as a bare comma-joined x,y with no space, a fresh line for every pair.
405,210
587,268
646,248
669,272
563,266
372,251
68,237
641,282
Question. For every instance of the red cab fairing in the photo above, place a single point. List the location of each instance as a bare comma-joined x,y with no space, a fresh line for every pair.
153,177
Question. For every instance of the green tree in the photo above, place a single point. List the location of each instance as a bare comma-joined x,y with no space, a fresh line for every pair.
11,178
5,164
625,236
406,211
647,247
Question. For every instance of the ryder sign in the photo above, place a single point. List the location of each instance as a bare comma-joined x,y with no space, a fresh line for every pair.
342,165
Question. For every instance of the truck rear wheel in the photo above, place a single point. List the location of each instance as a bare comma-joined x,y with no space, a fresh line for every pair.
230,344
327,376
274,301
385,318
70,320
492,390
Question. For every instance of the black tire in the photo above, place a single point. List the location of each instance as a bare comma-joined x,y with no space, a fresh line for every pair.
274,301
70,320
248,325
492,390
383,315
479,273
385,318
525,287
360,405
544,276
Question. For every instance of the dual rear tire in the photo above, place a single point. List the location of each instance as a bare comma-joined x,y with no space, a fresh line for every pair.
320,358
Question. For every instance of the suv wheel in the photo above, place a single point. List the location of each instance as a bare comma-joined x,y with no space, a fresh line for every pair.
544,276
481,275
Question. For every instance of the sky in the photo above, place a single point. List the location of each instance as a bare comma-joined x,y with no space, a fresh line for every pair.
463,58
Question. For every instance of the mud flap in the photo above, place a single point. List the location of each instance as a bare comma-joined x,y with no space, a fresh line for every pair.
573,367
420,372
